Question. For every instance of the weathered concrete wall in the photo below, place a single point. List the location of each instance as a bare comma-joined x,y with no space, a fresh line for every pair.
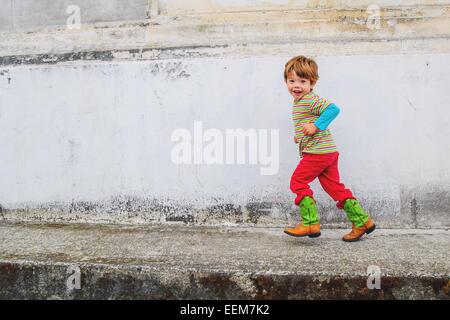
25,15
87,115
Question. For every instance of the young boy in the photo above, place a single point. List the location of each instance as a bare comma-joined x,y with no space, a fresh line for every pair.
312,115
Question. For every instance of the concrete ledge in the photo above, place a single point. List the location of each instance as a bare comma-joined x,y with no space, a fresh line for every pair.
340,31
324,47
178,262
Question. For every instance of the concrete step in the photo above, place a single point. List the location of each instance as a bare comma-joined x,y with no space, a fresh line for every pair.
178,261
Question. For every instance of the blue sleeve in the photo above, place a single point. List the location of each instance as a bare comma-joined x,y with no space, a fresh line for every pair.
328,115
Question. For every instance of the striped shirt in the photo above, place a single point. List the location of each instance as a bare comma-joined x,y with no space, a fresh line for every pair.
308,110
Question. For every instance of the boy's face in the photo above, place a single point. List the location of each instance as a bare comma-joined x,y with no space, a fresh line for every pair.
298,86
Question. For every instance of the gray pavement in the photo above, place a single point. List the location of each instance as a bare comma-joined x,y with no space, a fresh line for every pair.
191,262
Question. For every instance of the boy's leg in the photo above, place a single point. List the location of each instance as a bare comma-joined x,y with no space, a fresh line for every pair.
308,169
361,222
310,225
330,182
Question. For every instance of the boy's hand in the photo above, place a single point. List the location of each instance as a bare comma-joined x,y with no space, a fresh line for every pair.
309,129
295,139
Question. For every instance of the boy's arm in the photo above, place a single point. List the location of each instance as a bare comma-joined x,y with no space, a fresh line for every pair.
327,116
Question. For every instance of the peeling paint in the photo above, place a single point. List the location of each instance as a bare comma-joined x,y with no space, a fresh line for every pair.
108,55
5,73
135,210
56,58
258,209
225,212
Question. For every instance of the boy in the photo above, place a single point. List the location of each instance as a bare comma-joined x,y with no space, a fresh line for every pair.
312,115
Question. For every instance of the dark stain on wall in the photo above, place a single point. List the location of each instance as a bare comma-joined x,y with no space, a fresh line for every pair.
225,211
425,207
256,210
107,55
5,73
417,209
56,58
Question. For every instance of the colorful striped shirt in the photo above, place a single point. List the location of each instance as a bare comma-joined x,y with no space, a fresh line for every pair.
307,110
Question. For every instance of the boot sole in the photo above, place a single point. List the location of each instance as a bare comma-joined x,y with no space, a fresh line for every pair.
314,235
371,229
311,235
366,232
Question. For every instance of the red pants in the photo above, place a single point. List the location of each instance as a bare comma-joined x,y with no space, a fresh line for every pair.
324,167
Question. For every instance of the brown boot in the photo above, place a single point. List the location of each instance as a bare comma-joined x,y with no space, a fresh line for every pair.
358,232
312,231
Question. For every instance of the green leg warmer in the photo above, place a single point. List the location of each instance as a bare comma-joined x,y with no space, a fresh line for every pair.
355,212
308,211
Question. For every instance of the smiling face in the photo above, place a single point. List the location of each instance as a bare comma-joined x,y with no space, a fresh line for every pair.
298,86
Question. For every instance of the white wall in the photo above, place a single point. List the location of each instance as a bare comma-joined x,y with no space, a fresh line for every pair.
96,131
87,115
